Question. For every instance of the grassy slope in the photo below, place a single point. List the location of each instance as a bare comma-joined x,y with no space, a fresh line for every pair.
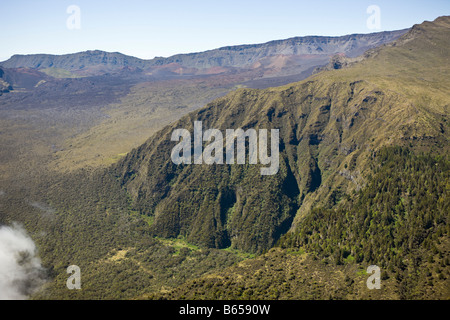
398,222
127,124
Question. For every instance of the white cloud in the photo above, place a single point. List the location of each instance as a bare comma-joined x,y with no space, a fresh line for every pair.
21,272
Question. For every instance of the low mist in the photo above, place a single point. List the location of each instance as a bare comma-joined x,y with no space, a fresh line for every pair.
21,272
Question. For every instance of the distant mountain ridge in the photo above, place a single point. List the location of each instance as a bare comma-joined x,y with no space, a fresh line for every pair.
230,56
73,61
330,126
244,55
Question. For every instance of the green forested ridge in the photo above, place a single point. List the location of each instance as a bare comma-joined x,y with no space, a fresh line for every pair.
330,124
84,219
398,222
333,127
404,205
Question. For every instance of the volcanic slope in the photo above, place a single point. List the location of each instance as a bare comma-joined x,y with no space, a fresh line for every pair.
330,126
146,225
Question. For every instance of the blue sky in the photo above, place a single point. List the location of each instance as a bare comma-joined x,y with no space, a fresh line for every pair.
146,29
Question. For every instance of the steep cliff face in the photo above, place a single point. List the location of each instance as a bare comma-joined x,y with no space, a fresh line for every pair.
329,127
223,204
